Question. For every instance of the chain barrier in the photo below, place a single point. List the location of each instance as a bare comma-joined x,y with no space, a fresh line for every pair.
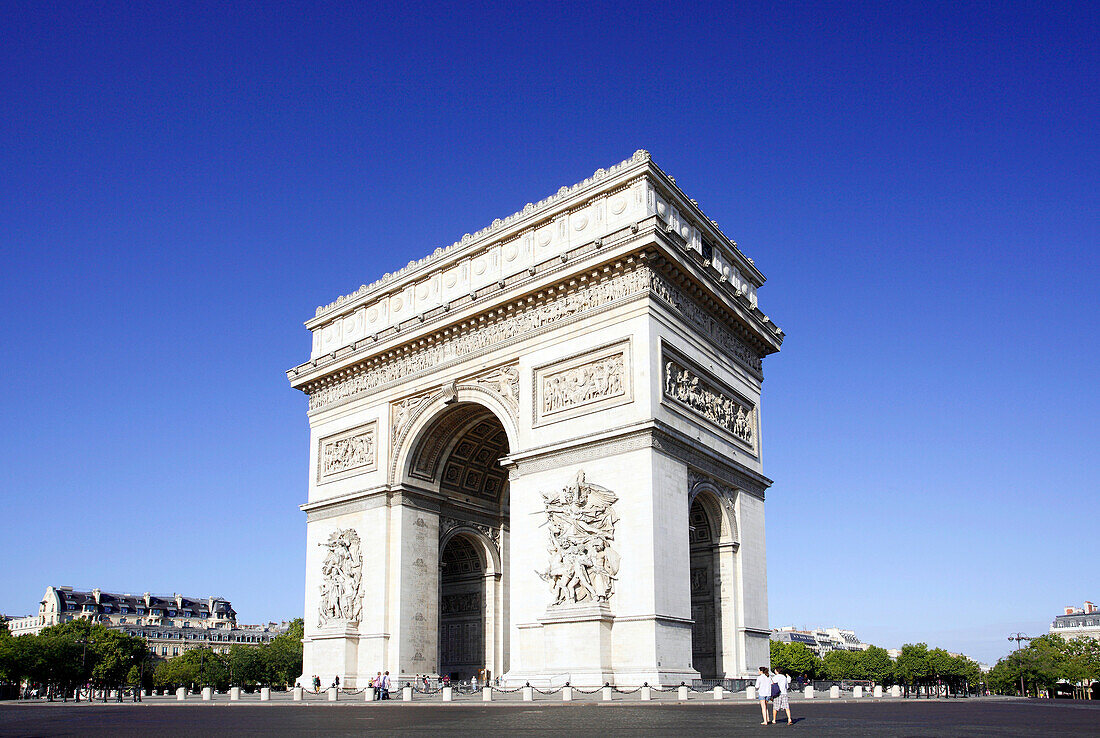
620,690
552,691
587,691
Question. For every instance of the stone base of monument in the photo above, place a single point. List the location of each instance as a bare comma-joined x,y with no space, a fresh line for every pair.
337,646
608,643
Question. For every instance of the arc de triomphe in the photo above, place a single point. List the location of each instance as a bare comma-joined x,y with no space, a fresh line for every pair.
535,454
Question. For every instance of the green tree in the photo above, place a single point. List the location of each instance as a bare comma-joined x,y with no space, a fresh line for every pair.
248,665
841,665
875,664
912,665
284,654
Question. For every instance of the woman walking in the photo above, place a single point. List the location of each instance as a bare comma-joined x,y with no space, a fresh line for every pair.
764,692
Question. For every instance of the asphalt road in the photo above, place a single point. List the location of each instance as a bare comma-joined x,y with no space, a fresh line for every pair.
992,717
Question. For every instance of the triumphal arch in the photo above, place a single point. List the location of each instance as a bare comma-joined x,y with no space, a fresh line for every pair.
535,454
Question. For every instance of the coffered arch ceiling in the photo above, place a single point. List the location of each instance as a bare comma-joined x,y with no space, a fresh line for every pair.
461,452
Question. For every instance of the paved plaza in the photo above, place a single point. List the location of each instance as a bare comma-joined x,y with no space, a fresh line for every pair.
162,717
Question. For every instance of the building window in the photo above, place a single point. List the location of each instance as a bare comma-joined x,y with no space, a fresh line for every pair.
175,651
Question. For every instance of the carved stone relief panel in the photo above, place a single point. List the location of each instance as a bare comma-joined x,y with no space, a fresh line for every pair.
404,410
348,453
687,386
341,578
583,565
583,383
501,380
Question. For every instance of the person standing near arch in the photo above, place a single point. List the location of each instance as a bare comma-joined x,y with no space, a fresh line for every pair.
764,693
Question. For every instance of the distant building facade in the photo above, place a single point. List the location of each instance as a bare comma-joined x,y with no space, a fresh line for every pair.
170,624
1078,622
821,640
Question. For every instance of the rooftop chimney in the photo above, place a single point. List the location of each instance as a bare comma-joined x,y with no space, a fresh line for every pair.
1069,609
1089,608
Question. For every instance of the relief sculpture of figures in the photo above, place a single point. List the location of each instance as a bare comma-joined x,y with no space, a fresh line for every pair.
348,453
583,565
342,573
576,386
686,388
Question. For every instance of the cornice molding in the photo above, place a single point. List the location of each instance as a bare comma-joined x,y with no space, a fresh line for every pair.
529,211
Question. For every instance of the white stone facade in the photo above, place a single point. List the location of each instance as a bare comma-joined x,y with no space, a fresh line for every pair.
516,429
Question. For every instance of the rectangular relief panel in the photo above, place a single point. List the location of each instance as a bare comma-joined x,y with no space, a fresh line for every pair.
687,387
583,383
348,453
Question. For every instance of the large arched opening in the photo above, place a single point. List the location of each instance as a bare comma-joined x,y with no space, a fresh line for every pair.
704,536
456,461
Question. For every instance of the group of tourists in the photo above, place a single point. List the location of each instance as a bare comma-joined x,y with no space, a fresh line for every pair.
772,689
380,685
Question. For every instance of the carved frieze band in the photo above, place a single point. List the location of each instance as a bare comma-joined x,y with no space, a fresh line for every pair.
707,324
584,383
592,296
688,387
348,453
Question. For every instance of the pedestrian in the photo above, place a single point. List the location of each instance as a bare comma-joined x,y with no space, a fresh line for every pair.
378,686
781,702
316,683
386,686
764,692
336,682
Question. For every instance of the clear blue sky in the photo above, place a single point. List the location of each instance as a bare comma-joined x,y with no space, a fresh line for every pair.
180,187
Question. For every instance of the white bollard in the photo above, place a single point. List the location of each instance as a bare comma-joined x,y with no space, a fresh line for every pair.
486,694
878,691
406,694
895,691
834,692
368,695
265,694
207,694
566,694
718,692
235,694
448,694
181,694
682,693
298,694
606,694
145,693
646,696
750,693
528,694
857,692
808,692
332,695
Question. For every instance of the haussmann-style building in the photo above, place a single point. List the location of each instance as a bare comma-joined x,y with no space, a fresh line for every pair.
535,454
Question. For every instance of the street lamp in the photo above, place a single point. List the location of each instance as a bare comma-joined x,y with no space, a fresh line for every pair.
1020,637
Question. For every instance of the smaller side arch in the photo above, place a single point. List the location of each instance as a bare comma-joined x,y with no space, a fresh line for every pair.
720,504
485,545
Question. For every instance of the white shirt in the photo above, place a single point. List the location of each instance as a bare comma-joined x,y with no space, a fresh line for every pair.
784,682
763,686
